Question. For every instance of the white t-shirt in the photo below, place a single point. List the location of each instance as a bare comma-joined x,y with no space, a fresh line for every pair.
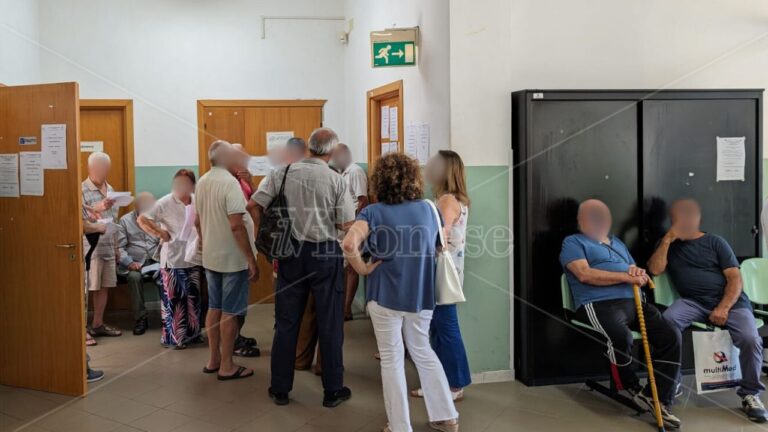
357,182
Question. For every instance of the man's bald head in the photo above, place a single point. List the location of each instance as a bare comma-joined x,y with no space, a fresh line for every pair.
594,219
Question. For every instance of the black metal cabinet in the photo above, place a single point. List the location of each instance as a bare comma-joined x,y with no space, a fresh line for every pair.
637,151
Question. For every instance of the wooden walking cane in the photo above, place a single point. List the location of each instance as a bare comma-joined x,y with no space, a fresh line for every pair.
647,349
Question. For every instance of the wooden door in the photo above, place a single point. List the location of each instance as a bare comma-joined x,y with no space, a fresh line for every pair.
107,124
41,311
247,123
383,99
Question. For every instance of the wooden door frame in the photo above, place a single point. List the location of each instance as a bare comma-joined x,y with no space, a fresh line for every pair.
203,138
126,107
373,105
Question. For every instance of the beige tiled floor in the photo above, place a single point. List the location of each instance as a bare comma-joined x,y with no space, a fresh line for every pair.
152,389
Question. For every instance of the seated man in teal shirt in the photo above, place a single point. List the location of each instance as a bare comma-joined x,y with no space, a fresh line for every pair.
600,273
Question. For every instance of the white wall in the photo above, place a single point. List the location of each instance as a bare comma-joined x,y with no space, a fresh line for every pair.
19,58
425,88
498,46
165,55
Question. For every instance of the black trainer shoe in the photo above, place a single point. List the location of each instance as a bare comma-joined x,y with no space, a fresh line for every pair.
335,398
95,375
754,408
141,326
646,402
278,398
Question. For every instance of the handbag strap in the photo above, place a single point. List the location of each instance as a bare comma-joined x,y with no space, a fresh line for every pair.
285,176
439,224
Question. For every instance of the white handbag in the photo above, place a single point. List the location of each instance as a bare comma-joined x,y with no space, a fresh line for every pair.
448,288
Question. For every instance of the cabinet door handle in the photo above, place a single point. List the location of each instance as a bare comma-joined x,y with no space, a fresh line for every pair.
66,246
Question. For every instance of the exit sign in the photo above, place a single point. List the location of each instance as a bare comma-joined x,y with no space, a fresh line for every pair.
394,54
394,47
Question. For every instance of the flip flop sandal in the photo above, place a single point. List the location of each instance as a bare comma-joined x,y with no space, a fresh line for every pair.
237,375
209,371
90,342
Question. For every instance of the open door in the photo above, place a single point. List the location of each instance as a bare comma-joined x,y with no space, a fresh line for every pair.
248,122
385,104
41,311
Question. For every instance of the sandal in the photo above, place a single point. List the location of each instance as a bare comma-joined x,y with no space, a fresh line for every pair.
105,330
89,340
237,375
457,395
247,351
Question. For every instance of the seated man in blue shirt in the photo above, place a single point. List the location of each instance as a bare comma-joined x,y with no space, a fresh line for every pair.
600,273
706,274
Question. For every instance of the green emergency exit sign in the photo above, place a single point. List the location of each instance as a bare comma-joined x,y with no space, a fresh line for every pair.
394,54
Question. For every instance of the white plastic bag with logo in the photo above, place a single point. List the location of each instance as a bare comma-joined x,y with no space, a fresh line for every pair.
717,361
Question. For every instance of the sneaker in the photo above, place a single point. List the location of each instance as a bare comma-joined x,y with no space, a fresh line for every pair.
335,398
95,375
278,398
141,326
445,425
754,408
646,402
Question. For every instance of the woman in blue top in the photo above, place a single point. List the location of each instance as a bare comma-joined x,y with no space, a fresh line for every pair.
401,233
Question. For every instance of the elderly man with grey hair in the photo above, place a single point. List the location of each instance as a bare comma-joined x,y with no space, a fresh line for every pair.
102,274
137,249
319,205
229,257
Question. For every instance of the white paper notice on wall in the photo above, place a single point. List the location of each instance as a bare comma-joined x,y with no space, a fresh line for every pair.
278,139
259,165
31,173
91,146
54,147
385,122
731,158
417,142
9,175
393,125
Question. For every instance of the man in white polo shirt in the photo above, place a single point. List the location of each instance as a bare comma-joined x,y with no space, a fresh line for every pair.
229,257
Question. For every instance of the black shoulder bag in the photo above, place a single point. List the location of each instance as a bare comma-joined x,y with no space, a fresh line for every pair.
274,236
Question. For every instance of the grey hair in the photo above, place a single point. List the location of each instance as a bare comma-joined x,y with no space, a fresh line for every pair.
216,149
323,141
98,156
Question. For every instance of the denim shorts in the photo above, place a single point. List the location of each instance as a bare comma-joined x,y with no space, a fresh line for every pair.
228,292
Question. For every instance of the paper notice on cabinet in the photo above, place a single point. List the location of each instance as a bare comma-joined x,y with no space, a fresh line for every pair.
393,125
731,158
259,166
278,139
54,146
385,122
31,173
91,146
9,175
389,147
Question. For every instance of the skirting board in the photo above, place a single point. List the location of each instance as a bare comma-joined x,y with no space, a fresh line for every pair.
493,376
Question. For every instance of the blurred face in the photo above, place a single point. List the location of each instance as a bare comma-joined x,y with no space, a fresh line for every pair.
595,220
434,172
98,170
686,218
182,187
341,158
144,202
276,156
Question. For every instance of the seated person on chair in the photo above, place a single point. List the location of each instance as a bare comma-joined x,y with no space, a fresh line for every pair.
601,273
136,251
705,272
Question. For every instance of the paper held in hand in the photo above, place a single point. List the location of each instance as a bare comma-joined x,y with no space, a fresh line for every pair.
121,199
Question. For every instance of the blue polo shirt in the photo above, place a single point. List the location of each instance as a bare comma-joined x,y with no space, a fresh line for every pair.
613,258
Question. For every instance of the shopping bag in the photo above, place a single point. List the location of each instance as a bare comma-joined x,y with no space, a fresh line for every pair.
716,360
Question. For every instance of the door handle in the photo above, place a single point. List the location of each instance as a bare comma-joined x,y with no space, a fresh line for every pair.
66,246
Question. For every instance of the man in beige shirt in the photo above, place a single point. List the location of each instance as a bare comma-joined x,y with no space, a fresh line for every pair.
229,258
